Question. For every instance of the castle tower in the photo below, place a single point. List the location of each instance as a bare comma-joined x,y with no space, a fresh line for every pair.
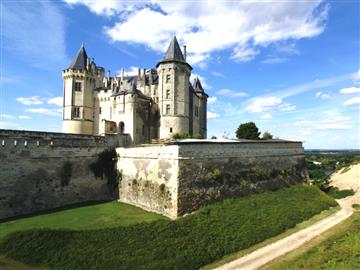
173,91
79,83
201,107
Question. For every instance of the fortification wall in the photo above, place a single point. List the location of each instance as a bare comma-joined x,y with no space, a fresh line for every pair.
44,170
198,172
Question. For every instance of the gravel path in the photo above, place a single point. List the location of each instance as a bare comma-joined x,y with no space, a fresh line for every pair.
270,252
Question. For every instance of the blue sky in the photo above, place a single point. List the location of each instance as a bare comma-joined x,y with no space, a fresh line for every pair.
292,67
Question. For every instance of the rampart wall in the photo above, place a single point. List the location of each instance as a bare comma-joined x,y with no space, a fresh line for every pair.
177,179
44,170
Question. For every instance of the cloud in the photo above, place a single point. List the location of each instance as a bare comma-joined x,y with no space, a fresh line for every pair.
56,101
349,90
34,100
275,60
246,27
286,107
50,112
7,116
322,95
211,100
263,104
352,101
334,126
24,117
212,115
326,121
231,93
20,19
266,116
218,74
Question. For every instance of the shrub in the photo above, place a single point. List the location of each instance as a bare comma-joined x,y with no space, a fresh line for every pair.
248,131
187,243
162,188
339,194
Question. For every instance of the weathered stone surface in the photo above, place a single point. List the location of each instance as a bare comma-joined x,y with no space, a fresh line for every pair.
195,174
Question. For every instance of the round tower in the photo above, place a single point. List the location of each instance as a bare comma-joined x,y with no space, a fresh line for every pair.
78,105
173,90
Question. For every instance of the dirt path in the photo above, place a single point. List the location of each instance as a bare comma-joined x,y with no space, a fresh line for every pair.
270,252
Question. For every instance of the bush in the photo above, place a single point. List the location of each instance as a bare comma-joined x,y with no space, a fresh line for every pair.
187,243
339,194
266,136
186,135
248,131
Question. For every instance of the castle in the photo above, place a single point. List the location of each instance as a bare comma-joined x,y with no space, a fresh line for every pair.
154,104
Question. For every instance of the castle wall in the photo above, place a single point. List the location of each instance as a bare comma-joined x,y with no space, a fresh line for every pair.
43,170
196,173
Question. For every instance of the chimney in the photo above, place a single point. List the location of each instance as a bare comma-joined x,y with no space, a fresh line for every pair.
144,71
139,72
122,74
109,74
185,52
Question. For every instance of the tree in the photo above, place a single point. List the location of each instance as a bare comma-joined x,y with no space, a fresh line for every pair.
266,136
248,131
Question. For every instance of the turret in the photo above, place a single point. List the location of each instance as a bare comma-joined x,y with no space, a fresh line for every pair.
201,106
173,91
79,83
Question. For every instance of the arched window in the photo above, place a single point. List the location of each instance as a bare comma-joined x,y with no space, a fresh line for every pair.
121,127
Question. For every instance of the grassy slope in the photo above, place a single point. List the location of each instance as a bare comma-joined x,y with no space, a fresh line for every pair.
339,248
103,215
188,243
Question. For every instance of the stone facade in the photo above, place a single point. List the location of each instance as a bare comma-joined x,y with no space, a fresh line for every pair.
43,170
154,104
177,179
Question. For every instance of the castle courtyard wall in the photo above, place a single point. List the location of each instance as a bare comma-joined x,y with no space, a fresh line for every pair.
194,173
35,174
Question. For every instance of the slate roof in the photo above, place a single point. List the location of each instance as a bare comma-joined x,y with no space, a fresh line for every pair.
174,52
79,62
197,85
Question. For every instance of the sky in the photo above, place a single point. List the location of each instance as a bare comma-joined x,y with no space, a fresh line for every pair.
292,67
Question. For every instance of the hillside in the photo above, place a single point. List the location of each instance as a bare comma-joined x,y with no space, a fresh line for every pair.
188,243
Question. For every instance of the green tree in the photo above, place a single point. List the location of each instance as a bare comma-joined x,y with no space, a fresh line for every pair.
266,136
248,131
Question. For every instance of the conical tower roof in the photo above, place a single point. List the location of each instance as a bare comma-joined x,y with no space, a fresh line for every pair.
174,52
197,85
79,62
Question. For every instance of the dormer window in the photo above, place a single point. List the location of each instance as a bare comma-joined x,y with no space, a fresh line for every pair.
78,86
168,78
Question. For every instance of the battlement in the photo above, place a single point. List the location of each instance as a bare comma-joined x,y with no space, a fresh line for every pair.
34,139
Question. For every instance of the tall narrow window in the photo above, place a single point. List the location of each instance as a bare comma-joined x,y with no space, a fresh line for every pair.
168,78
78,86
170,130
196,111
76,112
167,94
168,109
100,110
143,130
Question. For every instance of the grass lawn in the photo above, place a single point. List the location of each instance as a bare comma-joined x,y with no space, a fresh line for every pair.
187,243
103,215
338,248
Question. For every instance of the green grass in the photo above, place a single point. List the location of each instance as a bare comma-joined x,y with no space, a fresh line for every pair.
188,243
103,215
339,194
337,249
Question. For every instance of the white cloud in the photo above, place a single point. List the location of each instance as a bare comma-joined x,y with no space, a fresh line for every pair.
19,19
34,100
334,126
352,101
287,107
7,116
24,117
56,101
322,95
231,93
211,100
50,112
212,115
263,104
244,27
274,60
266,116
218,74
350,90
